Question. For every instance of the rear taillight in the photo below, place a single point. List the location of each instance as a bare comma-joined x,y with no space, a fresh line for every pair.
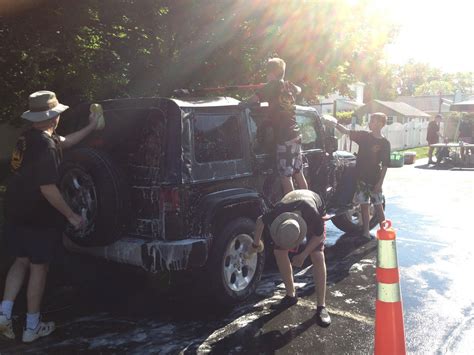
169,199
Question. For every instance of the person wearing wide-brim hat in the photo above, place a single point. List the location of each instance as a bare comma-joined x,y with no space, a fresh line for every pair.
35,211
296,216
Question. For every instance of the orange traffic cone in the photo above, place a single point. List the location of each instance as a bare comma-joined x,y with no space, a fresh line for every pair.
389,328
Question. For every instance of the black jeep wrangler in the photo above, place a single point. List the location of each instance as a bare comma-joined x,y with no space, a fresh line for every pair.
177,184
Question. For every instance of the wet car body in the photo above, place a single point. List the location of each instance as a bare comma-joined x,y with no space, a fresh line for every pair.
177,184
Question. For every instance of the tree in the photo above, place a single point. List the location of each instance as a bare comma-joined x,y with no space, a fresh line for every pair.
97,49
434,87
414,74
414,78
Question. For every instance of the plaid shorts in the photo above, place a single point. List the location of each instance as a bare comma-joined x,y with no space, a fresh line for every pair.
289,157
365,194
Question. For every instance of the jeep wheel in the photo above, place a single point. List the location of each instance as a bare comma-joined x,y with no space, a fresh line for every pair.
93,188
351,221
235,277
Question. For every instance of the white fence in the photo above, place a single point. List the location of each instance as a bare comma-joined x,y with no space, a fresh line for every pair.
400,136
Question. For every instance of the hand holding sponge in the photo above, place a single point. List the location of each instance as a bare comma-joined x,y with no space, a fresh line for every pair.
97,112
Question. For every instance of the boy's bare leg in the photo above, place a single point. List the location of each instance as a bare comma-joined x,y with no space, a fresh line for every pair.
380,213
36,284
430,154
364,210
287,184
15,277
319,275
298,260
286,271
301,180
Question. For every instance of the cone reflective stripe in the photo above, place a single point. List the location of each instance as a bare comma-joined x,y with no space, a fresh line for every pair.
389,329
388,292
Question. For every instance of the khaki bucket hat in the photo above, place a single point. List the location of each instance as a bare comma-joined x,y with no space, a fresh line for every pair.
288,230
43,105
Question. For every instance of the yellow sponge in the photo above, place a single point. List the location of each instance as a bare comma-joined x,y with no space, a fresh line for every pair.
96,109
251,250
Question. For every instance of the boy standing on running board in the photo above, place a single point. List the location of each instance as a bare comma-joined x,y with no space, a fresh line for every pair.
280,95
373,159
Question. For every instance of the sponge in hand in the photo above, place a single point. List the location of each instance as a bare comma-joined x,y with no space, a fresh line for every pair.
96,109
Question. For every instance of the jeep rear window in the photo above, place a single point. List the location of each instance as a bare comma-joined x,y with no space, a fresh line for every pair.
217,138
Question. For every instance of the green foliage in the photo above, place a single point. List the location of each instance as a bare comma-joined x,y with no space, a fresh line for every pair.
415,78
434,87
97,49
457,116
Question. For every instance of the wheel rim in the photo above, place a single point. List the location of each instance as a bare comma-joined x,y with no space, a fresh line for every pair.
78,190
239,270
354,215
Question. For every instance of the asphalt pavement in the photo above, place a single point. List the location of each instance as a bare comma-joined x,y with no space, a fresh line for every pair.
432,213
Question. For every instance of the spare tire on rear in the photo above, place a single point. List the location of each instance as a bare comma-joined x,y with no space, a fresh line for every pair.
94,188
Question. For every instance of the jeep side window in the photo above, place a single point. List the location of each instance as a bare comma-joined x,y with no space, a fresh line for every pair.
308,131
217,138
261,133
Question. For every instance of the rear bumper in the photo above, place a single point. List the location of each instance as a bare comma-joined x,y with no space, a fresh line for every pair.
153,256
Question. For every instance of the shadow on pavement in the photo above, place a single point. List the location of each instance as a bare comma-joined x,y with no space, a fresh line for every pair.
250,339
349,249
450,167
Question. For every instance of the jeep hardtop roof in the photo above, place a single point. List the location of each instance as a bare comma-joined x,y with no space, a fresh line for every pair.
184,102
196,102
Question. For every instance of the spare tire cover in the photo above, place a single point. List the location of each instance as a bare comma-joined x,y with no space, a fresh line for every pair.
95,188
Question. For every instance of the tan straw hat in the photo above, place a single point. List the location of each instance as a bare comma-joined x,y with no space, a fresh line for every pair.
43,106
288,230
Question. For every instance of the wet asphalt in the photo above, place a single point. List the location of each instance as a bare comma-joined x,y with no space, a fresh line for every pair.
109,310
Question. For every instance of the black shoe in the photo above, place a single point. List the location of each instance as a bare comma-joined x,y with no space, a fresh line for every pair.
322,317
285,302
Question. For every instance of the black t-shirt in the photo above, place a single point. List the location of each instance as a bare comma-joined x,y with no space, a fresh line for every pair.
432,132
465,129
305,201
372,155
35,162
280,96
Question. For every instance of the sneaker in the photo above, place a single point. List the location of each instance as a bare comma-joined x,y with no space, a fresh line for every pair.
43,329
6,327
284,303
322,317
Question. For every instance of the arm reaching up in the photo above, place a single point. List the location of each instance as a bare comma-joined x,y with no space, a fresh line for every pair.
74,138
